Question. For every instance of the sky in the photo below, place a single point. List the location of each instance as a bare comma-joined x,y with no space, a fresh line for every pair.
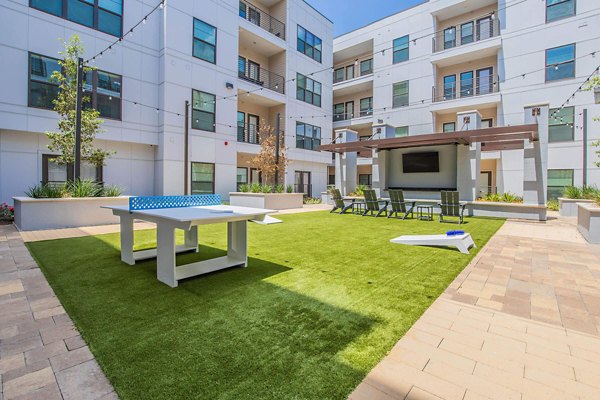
348,15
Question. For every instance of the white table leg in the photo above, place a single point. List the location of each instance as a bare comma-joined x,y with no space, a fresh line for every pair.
237,241
165,253
191,238
127,239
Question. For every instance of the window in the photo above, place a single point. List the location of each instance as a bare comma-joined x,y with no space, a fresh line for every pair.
331,180
308,90
487,123
349,110
366,106
307,136
42,89
400,94
364,179
338,75
309,44
449,87
401,49
466,33
203,111
449,127
350,72
241,177
561,125
203,178
560,63
205,41
338,112
103,15
401,131
558,179
366,67
449,37
466,84
52,172
559,9
104,92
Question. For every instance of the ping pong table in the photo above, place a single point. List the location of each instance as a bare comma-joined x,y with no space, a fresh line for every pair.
186,213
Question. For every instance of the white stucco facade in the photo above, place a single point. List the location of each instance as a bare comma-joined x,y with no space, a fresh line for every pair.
159,70
514,50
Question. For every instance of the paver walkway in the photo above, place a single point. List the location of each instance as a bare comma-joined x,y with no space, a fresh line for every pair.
42,356
522,321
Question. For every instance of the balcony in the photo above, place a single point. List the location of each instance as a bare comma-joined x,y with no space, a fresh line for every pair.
262,19
248,133
253,73
466,33
468,88
352,71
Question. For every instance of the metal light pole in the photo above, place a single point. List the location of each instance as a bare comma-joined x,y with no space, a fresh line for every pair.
585,146
78,106
186,134
277,150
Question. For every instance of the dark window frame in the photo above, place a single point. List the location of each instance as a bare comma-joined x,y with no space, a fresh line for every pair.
194,38
70,170
407,94
369,110
369,179
311,139
449,123
572,127
94,93
214,128
395,50
546,6
306,45
305,90
192,175
29,80
574,61
548,188
97,8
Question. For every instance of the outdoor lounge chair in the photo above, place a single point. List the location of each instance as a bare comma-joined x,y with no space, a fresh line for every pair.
399,205
374,205
338,202
451,207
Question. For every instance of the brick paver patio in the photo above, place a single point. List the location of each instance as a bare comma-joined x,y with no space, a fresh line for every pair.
42,356
522,321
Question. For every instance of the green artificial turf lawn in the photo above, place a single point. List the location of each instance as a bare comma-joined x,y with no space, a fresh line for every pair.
324,298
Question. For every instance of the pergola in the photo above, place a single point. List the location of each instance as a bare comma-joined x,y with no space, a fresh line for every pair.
491,139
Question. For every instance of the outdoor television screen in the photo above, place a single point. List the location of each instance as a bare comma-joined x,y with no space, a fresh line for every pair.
421,162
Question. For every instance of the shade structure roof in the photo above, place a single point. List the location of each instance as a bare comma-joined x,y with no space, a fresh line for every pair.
491,139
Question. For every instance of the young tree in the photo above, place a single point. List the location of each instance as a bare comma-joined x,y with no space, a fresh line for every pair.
63,140
594,85
265,160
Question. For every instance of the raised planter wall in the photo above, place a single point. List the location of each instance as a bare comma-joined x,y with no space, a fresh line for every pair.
506,210
568,207
588,221
271,201
37,214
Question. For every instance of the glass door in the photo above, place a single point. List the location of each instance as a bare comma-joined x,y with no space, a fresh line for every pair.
449,87
254,71
466,84
241,126
349,110
484,28
449,38
485,183
253,121
302,182
485,80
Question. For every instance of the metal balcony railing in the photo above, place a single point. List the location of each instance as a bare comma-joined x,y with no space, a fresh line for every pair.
248,134
466,88
466,32
261,18
263,77
342,116
343,74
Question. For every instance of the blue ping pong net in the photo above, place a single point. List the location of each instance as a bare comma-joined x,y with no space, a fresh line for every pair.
155,202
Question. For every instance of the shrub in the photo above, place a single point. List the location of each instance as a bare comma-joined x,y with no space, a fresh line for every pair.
552,205
502,198
111,191
46,191
289,189
311,200
360,190
7,213
279,188
266,189
572,192
84,188
255,188
581,192
244,188
590,192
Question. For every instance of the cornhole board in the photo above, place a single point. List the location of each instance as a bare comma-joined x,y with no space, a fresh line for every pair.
461,242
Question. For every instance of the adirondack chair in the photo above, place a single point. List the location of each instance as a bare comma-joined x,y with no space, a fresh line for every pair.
374,205
451,207
338,202
399,205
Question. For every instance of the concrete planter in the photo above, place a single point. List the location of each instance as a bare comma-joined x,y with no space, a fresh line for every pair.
36,214
506,210
568,207
270,201
326,198
588,221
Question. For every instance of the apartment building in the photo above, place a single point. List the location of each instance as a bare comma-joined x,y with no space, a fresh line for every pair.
239,63
413,72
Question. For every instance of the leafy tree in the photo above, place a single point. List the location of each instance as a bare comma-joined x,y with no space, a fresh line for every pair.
265,159
63,140
593,84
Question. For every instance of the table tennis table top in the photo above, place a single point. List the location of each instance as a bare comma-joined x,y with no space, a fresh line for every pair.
206,214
